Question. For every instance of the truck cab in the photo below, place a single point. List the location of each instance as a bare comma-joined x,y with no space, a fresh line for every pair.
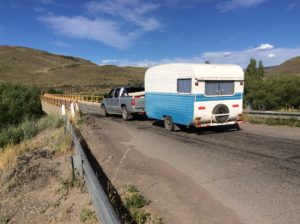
125,101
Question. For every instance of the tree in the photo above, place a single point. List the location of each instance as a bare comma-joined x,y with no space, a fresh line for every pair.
251,69
261,69
254,92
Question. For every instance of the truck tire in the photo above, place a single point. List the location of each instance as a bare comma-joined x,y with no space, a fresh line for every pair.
125,114
103,110
168,123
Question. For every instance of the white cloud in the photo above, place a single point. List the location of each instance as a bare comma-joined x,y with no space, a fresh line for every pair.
104,31
233,4
133,11
264,47
125,21
227,54
271,57
108,61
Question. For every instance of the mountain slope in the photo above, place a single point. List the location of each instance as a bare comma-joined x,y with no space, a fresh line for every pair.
290,67
34,67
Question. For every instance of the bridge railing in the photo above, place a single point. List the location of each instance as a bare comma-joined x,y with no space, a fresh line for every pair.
81,97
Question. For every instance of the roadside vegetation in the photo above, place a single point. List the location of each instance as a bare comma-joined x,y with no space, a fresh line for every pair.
27,128
18,140
136,204
88,216
270,93
18,102
272,121
21,114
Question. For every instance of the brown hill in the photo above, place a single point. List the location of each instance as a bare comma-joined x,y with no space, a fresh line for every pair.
290,67
34,67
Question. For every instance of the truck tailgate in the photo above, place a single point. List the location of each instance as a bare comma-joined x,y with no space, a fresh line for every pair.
138,102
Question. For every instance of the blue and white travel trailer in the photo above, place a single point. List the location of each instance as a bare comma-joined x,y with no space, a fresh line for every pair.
194,94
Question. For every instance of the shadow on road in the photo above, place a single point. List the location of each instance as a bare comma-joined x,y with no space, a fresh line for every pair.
204,130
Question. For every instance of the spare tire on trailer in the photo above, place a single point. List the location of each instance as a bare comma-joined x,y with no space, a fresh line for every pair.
219,110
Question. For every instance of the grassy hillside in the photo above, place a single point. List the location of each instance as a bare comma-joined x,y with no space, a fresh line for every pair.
33,67
290,67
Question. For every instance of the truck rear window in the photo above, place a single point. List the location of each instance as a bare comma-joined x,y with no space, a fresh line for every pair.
134,89
219,88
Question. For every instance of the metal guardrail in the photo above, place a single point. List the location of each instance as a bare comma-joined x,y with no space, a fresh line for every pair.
274,114
104,210
81,166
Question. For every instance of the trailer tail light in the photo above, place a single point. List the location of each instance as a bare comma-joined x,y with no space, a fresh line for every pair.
201,108
133,101
235,105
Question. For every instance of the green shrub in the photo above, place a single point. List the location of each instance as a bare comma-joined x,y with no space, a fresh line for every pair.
54,91
50,121
27,129
135,200
18,102
88,216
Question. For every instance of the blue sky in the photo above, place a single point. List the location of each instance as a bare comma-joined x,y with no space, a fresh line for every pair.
143,33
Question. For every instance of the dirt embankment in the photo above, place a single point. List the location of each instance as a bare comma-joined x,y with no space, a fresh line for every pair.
40,188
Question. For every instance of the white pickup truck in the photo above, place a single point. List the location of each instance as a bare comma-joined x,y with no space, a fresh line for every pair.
125,101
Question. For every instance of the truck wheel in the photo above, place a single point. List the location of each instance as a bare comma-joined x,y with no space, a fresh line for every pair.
104,111
125,114
168,122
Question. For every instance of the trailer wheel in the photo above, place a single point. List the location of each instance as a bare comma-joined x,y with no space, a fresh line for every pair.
168,122
104,111
125,114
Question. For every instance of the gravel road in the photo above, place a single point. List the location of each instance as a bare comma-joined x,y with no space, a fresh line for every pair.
214,176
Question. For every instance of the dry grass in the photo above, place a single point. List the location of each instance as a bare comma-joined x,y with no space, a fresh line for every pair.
10,153
33,67
54,139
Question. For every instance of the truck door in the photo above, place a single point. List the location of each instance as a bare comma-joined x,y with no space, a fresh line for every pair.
109,101
115,102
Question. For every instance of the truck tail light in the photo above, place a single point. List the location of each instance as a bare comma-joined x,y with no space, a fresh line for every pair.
133,101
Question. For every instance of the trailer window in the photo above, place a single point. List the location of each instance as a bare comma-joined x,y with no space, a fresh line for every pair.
184,85
219,88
